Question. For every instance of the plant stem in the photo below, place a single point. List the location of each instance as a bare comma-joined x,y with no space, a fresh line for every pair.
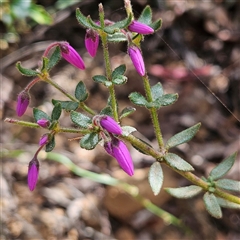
22,123
153,113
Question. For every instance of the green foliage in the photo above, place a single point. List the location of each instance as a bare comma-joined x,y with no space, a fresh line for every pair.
155,177
127,111
81,92
184,192
227,204
126,130
54,58
51,144
82,19
212,205
25,71
39,114
117,37
138,99
67,105
89,141
107,111
146,15
80,119
102,79
56,112
228,184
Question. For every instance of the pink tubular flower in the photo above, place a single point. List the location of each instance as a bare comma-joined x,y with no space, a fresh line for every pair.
109,124
91,42
71,55
118,150
139,27
43,122
43,140
33,169
22,102
137,59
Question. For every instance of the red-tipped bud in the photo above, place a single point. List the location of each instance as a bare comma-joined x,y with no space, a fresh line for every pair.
139,27
71,55
137,59
91,42
22,102
43,140
33,169
43,122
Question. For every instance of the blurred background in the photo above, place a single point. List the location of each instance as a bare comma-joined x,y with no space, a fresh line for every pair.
196,53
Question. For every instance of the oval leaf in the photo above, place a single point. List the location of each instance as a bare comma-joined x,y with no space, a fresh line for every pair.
25,71
221,169
55,58
167,99
155,177
120,70
81,92
82,19
228,184
157,91
89,141
212,205
80,119
178,163
117,37
138,99
146,15
184,192
183,136
50,145
57,110
127,111
67,105
227,204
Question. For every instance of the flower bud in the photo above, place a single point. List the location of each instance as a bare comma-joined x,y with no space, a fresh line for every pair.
91,42
33,169
43,122
139,27
71,55
137,59
43,140
109,124
22,102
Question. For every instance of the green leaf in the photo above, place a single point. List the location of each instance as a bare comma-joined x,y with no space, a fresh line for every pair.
67,105
45,62
227,204
39,14
156,25
138,99
157,91
183,137
107,111
50,145
118,25
127,111
155,177
82,19
39,114
126,130
80,119
120,79
120,70
81,92
25,71
55,58
146,15
93,24
184,192
212,205
57,110
221,169
167,99
117,37
102,79
89,141
177,162
228,184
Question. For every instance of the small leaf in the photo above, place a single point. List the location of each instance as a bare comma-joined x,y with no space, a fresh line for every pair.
126,130
55,58
212,205
45,62
146,15
228,184
93,24
82,19
120,70
25,71
120,79
81,92
138,99
156,25
157,91
155,177
39,114
119,25
117,37
80,119
107,111
67,105
227,204
178,163
102,79
221,169
127,111
89,141
183,137
50,145
57,110
184,192
167,99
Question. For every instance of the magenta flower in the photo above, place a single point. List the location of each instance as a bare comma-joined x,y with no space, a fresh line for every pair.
139,27
33,169
91,42
22,102
71,55
109,124
137,59
118,150
43,140
43,122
